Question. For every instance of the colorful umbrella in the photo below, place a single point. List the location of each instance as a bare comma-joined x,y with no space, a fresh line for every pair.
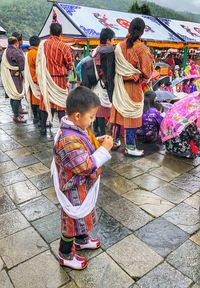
177,81
164,96
164,79
179,116
161,64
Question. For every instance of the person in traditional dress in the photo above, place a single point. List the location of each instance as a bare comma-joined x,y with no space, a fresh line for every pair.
12,69
31,78
134,64
151,119
103,114
54,62
78,157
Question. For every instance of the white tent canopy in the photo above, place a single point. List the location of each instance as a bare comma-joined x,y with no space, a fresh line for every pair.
188,31
87,22
2,30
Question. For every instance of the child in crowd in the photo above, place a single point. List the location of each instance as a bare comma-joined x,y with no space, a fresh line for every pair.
76,168
192,85
151,119
168,87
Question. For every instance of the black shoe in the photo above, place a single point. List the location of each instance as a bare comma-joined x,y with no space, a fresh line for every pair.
43,132
35,120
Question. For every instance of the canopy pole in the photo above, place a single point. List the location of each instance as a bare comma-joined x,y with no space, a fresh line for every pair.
87,52
186,49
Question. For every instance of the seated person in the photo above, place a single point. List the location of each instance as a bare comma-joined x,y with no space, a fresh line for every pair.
151,119
180,129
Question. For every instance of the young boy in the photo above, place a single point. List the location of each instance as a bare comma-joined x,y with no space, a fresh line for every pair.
78,157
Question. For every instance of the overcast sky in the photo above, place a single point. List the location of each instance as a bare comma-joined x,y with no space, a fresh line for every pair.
186,5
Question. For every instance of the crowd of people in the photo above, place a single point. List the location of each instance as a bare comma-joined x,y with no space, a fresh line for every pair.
114,105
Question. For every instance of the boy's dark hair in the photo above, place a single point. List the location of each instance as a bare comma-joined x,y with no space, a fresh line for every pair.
149,100
17,35
81,100
12,40
106,34
55,29
34,41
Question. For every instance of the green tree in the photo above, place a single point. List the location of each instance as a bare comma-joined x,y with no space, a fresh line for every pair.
145,9
135,8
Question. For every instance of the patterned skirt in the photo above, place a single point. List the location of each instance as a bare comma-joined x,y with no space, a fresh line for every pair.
104,112
117,118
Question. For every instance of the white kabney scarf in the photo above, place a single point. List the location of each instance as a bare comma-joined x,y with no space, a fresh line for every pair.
7,80
29,84
121,100
98,89
50,91
75,212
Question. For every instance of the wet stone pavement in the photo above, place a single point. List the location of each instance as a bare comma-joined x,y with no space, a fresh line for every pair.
148,210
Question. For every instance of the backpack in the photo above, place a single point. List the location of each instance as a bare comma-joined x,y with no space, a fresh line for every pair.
104,60
86,72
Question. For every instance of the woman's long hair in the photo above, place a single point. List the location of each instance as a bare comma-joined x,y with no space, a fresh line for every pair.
149,100
136,29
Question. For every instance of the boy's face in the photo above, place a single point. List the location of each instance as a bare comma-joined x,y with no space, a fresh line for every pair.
84,120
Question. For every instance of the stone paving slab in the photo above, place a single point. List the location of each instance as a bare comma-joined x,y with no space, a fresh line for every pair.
22,191
172,193
49,227
185,217
12,178
148,182
48,273
14,221
133,219
162,236
42,181
34,170
164,173
187,182
186,260
134,256
27,243
149,202
6,204
102,272
26,160
37,208
4,280
7,167
193,201
109,231
164,276
196,238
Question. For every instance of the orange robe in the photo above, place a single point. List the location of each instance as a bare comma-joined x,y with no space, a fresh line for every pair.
32,55
140,57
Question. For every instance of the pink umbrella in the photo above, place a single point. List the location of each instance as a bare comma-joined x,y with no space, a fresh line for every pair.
179,116
191,77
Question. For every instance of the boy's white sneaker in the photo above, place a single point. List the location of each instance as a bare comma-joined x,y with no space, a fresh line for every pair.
91,244
73,261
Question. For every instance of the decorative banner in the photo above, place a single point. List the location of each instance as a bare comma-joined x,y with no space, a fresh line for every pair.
188,31
91,21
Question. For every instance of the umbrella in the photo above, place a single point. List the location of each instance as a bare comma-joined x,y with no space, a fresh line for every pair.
161,64
177,81
164,96
164,79
191,77
179,116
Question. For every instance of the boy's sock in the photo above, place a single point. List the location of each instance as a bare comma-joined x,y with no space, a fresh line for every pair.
66,245
82,239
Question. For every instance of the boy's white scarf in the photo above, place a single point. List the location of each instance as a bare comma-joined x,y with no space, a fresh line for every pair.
29,84
7,80
75,212
98,89
121,100
50,91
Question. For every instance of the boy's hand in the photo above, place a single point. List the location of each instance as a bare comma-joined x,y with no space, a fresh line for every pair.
101,139
107,142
